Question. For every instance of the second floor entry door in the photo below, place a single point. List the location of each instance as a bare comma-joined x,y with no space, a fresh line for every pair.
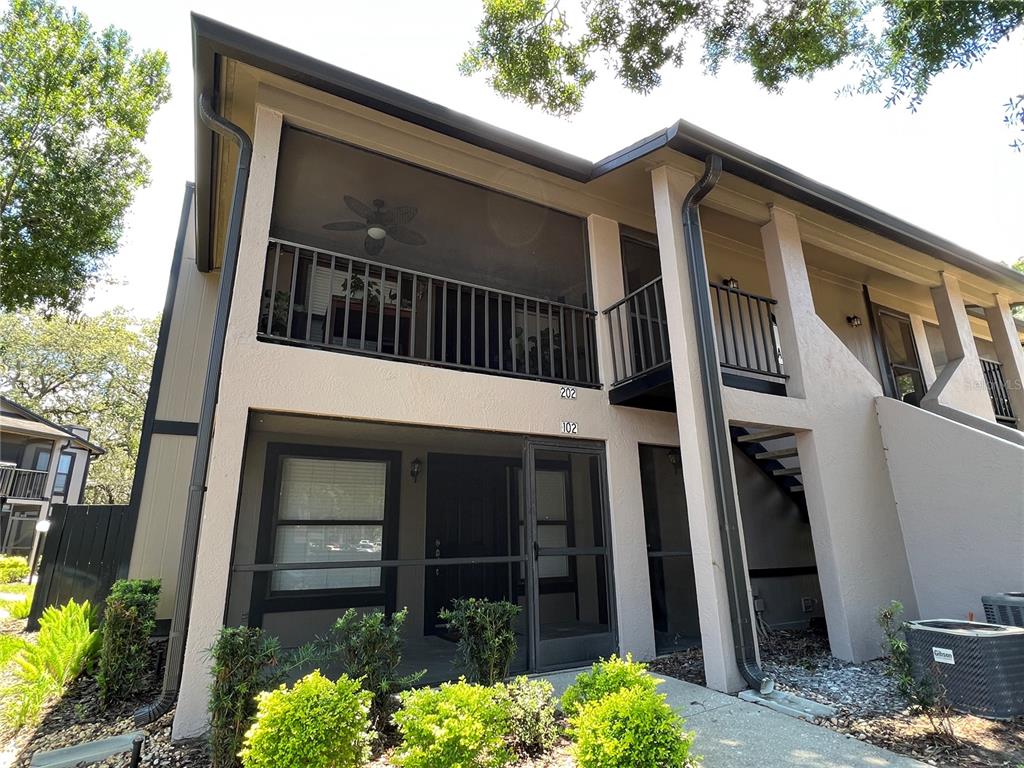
899,358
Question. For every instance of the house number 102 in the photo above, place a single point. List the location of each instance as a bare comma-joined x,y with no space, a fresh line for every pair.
570,428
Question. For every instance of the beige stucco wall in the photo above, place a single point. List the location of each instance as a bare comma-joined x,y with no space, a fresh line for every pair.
962,517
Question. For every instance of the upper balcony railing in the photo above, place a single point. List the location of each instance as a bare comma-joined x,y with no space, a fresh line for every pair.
22,483
747,337
333,301
998,392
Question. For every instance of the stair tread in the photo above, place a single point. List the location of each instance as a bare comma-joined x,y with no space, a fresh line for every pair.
787,471
796,489
782,453
765,434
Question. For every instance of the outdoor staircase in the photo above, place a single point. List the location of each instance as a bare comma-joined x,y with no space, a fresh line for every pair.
773,450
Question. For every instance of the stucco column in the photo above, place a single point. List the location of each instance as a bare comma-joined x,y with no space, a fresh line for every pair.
213,558
791,287
625,495
924,353
44,506
670,189
1009,351
962,382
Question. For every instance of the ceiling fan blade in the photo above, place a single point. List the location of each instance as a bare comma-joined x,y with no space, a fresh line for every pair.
345,226
406,235
403,214
358,207
372,246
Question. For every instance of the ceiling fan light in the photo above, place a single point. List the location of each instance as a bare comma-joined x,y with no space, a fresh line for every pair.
377,233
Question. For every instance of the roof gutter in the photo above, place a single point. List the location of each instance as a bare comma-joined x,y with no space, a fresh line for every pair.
743,632
200,460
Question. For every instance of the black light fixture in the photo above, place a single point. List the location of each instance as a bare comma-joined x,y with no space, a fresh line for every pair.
731,283
854,321
414,469
675,458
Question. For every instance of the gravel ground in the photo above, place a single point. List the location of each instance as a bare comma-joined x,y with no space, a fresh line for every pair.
867,705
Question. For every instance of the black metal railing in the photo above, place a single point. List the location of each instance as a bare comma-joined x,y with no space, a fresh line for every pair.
639,332
745,324
998,392
748,341
22,483
333,301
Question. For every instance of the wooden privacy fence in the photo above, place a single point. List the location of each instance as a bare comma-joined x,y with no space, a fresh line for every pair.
85,551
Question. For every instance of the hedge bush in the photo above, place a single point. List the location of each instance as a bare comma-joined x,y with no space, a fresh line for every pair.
604,677
128,622
532,722
240,658
12,569
487,639
457,724
314,724
369,648
629,728
64,649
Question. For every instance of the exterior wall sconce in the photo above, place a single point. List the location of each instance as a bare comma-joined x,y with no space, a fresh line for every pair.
731,283
854,321
675,458
414,469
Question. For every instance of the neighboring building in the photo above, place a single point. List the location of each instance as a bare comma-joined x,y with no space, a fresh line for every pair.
449,361
41,464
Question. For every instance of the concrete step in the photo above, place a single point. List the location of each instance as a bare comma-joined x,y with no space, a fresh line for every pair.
765,434
782,453
787,471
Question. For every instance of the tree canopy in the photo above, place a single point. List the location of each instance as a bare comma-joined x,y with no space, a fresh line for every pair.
88,371
74,109
531,50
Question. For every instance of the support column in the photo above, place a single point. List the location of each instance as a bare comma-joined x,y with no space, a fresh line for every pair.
220,504
670,189
1010,353
924,353
625,495
962,383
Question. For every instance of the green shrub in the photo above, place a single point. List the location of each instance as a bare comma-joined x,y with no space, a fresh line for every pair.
314,724
532,723
128,621
629,728
13,569
604,677
369,648
19,609
240,659
458,724
64,649
487,640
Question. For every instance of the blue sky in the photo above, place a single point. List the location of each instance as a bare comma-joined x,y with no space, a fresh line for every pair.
947,168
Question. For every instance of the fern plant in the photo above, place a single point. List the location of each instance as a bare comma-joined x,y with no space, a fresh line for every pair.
65,648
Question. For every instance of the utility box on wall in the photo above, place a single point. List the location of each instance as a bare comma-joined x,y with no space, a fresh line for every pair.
979,668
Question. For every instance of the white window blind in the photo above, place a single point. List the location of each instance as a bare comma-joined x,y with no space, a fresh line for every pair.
314,494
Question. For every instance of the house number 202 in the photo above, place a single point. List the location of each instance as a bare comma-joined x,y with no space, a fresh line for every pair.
570,428
568,393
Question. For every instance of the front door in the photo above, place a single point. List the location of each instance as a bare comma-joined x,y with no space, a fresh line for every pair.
569,575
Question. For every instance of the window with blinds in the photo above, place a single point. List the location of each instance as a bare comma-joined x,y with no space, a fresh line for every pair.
329,510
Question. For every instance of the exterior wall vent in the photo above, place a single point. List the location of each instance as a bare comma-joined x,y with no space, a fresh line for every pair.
1004,608
979,666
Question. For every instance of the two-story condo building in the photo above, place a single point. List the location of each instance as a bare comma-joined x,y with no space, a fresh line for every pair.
654,400
41,464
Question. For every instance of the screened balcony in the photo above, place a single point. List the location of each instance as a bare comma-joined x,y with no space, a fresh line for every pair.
328,300
748,345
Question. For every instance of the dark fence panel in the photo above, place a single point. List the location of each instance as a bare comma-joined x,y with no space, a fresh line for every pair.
85,551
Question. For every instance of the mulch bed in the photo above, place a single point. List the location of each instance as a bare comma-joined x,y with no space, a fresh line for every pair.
867,704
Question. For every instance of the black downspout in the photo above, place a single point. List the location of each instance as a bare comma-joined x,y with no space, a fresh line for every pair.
744,638
197,486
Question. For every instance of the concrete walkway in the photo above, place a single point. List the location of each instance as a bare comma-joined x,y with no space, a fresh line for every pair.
738,734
